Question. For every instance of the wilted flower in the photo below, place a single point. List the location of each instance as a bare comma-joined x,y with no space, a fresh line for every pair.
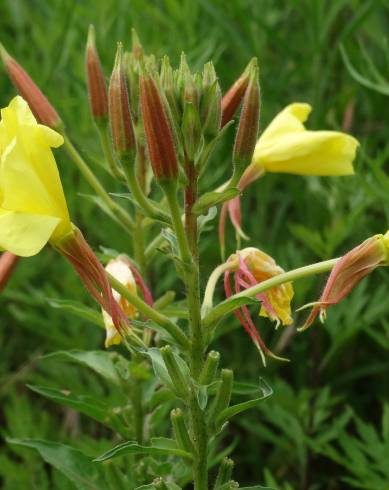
33,209
252,267
286,146
348,272
126,273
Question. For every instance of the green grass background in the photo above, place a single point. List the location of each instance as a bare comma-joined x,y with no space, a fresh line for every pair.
306,436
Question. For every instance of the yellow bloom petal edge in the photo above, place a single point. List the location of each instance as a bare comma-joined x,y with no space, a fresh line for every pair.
33,208
286,146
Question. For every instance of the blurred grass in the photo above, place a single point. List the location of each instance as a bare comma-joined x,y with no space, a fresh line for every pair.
295,219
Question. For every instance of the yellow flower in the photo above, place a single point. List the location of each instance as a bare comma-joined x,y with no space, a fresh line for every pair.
33,209
276,305
287,146
120,269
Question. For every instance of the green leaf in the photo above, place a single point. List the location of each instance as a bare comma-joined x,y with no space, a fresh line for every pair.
229,412
81,403
74,464
256,487
102,362
213,198
160,446
77,309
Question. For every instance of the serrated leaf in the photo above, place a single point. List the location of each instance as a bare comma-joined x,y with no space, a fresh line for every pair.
161,446
233,410
74,464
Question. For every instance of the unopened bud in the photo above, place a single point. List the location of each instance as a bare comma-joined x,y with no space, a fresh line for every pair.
159,484
191,130
31,93
247,134
224,473
180,385
167,84
122,130
210,367
158,131
211,109
97,89
234,95
137,48
8,262
180,430
223,395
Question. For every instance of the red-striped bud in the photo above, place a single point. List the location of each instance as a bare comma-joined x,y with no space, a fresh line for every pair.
97,88
39,104
247,134
158,132
122,130
234,95
8,262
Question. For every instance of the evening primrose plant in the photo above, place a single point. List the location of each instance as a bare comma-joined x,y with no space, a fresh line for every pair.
158,127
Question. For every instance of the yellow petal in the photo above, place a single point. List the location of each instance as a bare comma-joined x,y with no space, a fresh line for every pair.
287,147
25,234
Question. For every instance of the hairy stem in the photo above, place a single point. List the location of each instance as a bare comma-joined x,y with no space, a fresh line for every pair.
187,239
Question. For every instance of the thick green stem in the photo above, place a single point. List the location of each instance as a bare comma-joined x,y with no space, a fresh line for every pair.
187,239
96,185
150,312
232,304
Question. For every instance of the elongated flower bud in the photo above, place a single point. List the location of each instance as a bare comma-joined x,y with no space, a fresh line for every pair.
97,88
247,134
224,473
180,431
159,134
8,262
122,130
234,95
178,379
39,104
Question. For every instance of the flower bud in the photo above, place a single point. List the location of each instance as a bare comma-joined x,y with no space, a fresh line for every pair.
97,89
247,134
178,380
191,130
39,104
234,95
210,367
223,395
8,262
158,131
224,473
137,48
180,430
122,130
167,84
210,107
